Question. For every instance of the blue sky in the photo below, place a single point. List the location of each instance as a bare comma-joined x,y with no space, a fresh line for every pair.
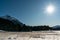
31,12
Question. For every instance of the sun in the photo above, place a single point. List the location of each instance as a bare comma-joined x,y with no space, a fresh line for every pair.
50,9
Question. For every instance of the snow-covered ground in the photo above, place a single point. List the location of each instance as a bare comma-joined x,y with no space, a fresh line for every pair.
35,35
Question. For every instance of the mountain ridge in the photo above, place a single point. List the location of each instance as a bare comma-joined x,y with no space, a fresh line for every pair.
8,23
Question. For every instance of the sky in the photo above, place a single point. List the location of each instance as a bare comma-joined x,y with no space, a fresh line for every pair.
31,12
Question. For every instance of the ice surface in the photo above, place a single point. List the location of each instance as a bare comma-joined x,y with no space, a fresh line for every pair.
40,35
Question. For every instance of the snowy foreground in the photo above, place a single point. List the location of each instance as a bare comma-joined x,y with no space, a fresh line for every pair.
38,35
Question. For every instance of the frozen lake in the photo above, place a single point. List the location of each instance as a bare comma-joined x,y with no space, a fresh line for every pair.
35,35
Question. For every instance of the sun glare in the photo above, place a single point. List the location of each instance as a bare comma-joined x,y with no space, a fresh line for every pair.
50,9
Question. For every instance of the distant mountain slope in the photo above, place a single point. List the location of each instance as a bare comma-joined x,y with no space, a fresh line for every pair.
57,27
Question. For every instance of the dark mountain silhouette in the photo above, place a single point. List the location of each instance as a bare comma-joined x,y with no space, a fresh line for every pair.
12,19
8,23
